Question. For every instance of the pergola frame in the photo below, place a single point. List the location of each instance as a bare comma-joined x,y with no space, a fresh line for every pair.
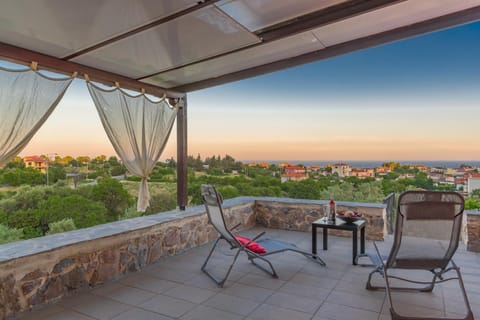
278,31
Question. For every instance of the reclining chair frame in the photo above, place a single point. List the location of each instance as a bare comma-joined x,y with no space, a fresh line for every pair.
227,235
382,266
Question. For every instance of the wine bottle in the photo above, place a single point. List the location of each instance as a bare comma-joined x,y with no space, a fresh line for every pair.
332,209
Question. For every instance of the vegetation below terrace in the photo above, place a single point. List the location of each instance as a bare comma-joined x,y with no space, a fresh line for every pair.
84,193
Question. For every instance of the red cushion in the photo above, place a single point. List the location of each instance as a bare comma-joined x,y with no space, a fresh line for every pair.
252,246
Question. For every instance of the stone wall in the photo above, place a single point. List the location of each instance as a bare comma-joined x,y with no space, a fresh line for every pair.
473,231
36,271
291,214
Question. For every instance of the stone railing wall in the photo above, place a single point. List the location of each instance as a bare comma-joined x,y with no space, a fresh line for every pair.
293,214
473,230
40,270
36,271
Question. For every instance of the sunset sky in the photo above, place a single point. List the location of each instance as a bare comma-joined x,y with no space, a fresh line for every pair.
418,99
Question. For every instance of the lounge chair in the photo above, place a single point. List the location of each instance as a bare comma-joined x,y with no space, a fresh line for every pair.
254,248
427,233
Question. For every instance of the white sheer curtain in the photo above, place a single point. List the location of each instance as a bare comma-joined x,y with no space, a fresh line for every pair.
138,129
27,98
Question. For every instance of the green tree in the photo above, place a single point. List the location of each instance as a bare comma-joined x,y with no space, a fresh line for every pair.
160,202
21,176
422,181
305,189
84,212
83,160
472,203
114,197
16,162
118,170
365,192
56,172
229,192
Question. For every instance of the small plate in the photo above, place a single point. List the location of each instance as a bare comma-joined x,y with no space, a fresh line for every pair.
341,215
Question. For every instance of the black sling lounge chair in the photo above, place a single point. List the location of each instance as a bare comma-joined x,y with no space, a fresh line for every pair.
213,203
427,233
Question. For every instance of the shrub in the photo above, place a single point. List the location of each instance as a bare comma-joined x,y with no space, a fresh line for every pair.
130,213
9,234
161,201
84,212
60,226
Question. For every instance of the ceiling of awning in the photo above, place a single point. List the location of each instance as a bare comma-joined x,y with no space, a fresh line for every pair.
185,45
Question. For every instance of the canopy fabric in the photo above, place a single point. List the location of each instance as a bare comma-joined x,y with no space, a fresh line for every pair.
138,129
27,98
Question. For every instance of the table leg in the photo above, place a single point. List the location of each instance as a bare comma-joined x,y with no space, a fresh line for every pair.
314,239
355,247
325,239
362,240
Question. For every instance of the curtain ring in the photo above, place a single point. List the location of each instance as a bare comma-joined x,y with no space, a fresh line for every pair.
117,84
142,90
86,77
164,96
74,75
34,65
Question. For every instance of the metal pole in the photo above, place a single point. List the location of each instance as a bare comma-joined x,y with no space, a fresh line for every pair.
182,196
47,170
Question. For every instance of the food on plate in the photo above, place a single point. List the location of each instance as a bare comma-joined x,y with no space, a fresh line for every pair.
349,214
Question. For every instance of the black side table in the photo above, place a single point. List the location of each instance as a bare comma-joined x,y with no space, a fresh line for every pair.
341,225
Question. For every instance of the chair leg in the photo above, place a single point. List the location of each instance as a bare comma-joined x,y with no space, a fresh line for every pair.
309,255
369,281
396,316
429,288
315,258
271,272
220,282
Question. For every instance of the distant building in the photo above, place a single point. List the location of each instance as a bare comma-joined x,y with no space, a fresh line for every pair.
259,164
473,183
436,177
341,169
406,176
314,168
285,164
437,170
293,177
295,169
362,173
381,171
422,168
36,162
460,183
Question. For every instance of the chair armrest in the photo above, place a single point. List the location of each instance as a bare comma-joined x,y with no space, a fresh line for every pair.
257,236
236,226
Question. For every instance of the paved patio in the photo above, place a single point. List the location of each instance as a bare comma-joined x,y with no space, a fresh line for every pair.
175,288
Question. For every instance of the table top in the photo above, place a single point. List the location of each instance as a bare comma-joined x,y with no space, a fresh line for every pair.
339,224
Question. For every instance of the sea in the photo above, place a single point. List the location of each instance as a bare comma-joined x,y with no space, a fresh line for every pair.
376,163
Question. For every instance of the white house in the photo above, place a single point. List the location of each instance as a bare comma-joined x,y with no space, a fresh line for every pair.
473,183
341,169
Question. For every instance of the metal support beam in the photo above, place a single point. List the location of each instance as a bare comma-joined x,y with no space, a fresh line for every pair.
182,195
50,63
